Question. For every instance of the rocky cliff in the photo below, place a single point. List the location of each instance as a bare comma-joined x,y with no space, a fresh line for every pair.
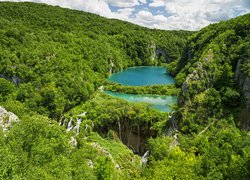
7,119
213,74
244,84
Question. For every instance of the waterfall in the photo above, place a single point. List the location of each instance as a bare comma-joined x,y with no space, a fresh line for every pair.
120,131
101,88
172,121
144,158
69,127
86,127
111,68
73,141
129,135
77,127
170,131
138,138
174,142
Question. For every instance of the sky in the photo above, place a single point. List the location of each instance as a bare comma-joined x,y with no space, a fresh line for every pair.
160,14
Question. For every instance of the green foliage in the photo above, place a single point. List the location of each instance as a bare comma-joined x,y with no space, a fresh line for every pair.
159,147
211,72
38,148
107,113
220,152
154,89
6,88
104,169
58,58
62,56
176,165
230,97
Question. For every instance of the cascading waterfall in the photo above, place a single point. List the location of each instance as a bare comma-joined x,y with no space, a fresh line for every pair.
78,123
144,158
111,68
77,127
120,131
138,138
70,126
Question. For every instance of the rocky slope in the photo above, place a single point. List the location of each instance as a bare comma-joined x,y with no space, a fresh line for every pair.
214,74
7,119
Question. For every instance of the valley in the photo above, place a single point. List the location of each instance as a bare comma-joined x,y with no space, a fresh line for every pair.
70,83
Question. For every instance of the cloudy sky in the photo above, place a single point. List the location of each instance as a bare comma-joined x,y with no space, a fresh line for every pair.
160,14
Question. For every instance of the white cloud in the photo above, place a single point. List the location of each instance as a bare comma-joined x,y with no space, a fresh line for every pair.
191,14
146,18
157,3
179,14
143,1
123,14
123,3
95,6
203,12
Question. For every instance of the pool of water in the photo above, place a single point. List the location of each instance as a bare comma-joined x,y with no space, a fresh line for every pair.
161,103
142,76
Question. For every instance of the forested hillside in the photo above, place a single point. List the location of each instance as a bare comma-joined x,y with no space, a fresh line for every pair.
214,75
56,124
61,56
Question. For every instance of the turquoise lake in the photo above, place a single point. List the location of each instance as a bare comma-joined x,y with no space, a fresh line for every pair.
142,76
161,103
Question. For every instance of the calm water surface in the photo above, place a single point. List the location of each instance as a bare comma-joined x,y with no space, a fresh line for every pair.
161,103
142,76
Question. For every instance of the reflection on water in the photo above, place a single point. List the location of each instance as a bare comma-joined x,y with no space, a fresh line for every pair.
161,103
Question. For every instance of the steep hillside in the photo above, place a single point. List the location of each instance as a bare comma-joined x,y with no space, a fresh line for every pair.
53,60
213,105
59,57
214,74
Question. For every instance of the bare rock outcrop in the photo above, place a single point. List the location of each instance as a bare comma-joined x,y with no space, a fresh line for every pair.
7,119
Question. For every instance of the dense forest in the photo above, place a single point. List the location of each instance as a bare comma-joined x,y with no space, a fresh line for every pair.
57,124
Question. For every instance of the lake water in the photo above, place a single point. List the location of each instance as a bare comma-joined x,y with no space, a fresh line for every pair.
161,103
142,76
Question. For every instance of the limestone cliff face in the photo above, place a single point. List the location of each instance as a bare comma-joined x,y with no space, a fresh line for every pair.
207,73
7,119
244,83
199,80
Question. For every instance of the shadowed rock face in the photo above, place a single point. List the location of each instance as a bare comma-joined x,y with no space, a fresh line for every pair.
15,80
135,136
244,83
161,53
